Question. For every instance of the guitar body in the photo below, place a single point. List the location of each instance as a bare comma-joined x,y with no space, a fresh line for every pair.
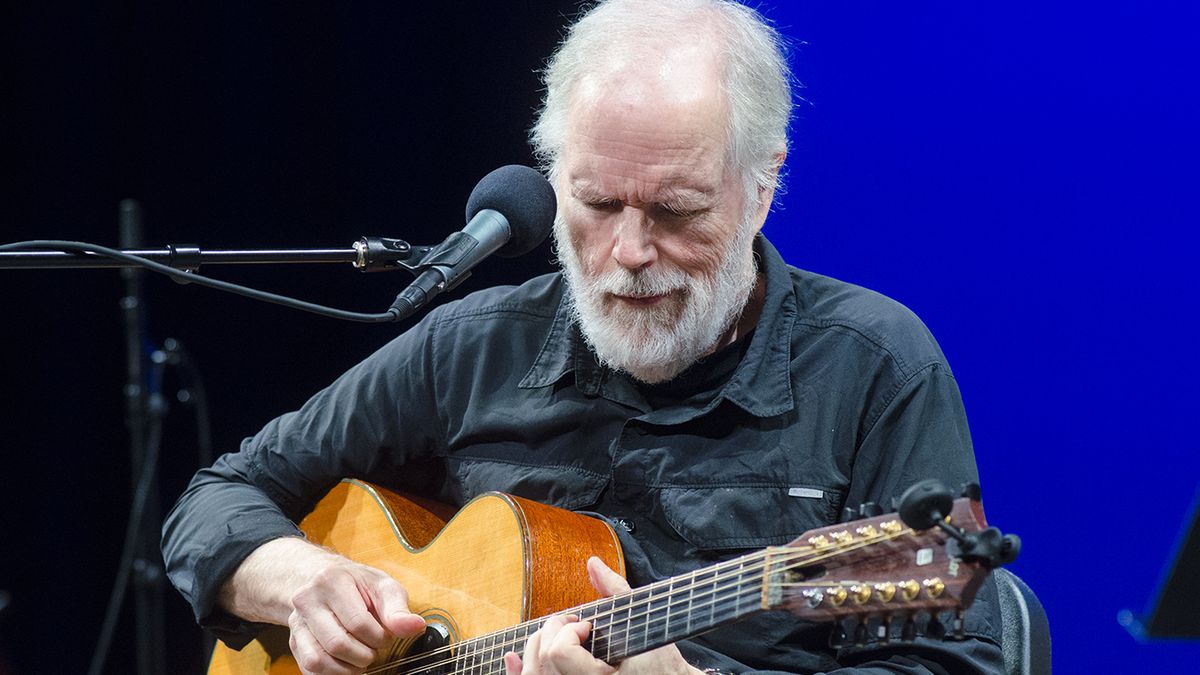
499,561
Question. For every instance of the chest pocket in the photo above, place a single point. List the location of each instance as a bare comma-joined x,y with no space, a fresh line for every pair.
562,486
740,517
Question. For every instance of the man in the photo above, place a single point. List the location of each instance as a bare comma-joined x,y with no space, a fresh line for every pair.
677,378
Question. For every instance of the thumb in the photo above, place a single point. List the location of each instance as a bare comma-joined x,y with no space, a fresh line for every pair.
604,580
391,606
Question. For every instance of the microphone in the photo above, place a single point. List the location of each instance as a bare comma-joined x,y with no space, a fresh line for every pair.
509,213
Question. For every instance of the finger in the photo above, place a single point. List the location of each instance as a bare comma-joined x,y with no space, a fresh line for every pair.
390,602
309,654
512,663
531,656
337,641
604,580
566,653
545,638
353,614
317,606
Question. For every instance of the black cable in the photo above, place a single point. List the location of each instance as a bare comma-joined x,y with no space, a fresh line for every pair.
193,395
136,510
192,278
197,398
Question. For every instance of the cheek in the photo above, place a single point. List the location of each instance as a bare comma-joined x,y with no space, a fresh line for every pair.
588,238
695,251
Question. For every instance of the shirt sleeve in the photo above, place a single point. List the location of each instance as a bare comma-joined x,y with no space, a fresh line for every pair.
367,424
919,432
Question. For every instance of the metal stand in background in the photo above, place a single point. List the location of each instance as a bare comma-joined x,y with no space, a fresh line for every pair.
1172,611
141,563
147,570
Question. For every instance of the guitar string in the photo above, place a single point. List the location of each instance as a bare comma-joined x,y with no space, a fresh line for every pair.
475,646
788,557
752,591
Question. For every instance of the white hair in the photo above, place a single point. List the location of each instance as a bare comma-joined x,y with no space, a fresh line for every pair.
756,79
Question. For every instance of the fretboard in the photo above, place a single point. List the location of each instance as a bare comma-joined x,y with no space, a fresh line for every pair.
646,618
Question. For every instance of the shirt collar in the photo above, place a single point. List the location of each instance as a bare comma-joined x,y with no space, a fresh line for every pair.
561,350
761,385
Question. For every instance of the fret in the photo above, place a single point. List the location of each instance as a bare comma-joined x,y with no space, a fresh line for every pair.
626,613
741,580
514,641
463,656
602,628
478,649
690,602
670,596
655,618
489,647
644,619
712,603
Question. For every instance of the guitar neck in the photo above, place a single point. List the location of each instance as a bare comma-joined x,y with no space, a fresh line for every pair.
649,617
675,609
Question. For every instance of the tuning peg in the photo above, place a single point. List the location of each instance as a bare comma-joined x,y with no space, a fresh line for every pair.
1010,548
860,634
837,636
848,514
869,510
883,634
935,628
925,503
909,632
970,491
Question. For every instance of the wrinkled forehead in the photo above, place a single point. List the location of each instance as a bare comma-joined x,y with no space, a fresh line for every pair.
661,119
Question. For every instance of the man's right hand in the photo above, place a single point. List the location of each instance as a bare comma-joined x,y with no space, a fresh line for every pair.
339,612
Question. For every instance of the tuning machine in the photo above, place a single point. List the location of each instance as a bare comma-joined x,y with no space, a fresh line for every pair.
927,503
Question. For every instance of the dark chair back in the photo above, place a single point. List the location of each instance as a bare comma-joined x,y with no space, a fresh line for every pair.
1026,630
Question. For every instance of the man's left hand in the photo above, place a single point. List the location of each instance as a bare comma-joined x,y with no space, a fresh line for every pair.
556,649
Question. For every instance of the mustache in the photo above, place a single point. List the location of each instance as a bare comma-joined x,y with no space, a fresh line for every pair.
641,283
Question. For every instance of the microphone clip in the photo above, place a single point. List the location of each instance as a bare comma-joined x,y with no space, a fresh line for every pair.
379,254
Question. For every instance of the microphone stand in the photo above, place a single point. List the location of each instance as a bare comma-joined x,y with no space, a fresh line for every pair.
144,409
147,570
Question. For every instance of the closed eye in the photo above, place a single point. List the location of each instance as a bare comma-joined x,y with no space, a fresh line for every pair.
681,213
602,204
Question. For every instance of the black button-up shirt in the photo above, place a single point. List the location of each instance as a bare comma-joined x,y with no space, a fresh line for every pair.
838,397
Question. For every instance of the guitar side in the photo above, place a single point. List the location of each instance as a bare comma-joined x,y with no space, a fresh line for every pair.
499,561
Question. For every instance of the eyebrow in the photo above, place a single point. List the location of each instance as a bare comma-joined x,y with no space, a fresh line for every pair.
683,199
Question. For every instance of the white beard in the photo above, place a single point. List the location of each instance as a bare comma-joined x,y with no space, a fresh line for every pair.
654,344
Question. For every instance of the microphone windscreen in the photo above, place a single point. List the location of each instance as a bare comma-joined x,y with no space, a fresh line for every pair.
524,197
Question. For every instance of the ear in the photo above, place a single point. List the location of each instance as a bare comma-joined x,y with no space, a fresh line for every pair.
767,194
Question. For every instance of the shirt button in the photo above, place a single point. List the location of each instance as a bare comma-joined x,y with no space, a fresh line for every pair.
625,523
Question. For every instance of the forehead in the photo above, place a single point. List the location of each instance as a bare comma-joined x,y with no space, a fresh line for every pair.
647,127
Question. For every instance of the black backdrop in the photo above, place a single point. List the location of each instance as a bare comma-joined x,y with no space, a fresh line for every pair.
236,125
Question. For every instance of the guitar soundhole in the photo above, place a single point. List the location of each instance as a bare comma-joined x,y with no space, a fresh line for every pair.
435,659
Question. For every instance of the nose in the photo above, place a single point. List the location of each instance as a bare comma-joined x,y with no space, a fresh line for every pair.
633,241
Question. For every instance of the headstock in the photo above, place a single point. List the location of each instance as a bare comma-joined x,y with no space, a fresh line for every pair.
881,568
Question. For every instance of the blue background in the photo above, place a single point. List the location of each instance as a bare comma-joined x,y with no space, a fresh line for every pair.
1022,175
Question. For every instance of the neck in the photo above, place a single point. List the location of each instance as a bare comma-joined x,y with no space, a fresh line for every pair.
747,320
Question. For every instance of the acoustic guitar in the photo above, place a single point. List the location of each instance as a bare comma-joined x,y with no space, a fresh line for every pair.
484,578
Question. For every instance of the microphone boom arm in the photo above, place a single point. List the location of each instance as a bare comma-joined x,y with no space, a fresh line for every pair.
368,254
